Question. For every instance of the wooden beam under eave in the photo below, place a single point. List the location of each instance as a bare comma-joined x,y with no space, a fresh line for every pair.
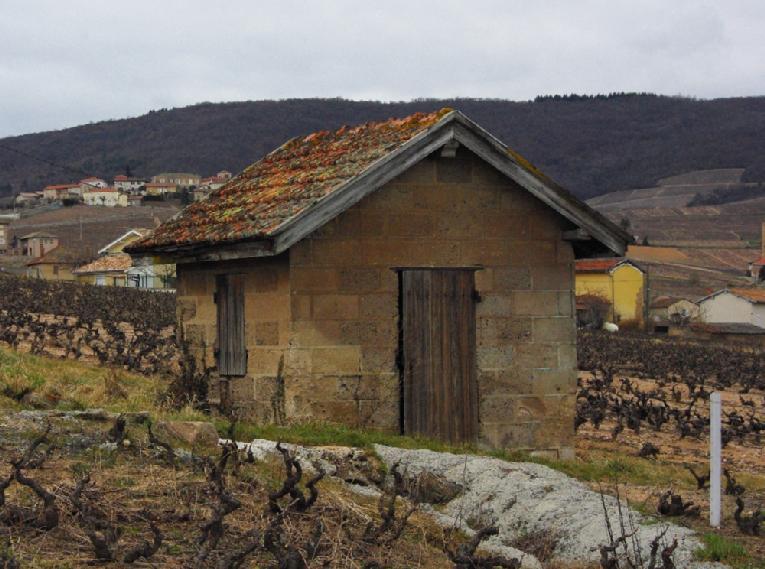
577,234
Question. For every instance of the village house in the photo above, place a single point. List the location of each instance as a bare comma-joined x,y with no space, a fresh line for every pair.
114,267
160,276
665,310
36,244
107,270
206,185
59,192
178,179
57,264
128,185
5,220
734,305
107,197
28,198
160,189
617,281
414,275
87,184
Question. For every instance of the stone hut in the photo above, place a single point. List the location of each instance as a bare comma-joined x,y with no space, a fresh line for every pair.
413,275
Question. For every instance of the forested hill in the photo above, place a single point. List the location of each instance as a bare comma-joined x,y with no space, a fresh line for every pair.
591,145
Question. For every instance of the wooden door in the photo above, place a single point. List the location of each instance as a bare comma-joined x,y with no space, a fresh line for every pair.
440,392
231,348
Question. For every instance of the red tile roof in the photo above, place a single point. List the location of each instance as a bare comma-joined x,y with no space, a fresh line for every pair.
61,255
108,263
286,182
61,187
597,265
756,295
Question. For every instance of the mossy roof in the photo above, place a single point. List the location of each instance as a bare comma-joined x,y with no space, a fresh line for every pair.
300,179
289,180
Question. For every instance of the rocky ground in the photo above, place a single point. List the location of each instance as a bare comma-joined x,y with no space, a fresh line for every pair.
542,517
553,517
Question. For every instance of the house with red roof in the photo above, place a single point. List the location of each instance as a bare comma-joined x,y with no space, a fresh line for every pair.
414,275
128,185
734,306
615,287
106,197
91,183
57,192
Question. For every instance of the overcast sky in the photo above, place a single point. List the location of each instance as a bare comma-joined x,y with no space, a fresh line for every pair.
68,62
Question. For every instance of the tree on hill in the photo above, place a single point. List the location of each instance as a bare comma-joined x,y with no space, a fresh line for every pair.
589,144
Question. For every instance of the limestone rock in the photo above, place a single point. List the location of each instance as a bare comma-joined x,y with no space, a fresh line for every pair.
430,488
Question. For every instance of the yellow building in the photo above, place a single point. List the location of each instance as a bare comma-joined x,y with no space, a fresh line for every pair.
107,270
113,267
617,281
55,265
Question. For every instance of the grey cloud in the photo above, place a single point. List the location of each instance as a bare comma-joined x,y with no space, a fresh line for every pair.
65,63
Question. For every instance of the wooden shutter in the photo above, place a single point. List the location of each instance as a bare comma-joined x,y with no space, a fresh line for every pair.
232,348
440,391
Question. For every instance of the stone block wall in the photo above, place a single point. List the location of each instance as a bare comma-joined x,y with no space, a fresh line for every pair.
322,319
267,327
442,212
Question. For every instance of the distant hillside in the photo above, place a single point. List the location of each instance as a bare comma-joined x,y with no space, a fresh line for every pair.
591,145
700,187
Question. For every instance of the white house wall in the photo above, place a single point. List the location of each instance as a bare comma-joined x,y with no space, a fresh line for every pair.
727,307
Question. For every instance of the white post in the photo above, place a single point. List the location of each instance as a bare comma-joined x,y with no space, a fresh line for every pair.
715,451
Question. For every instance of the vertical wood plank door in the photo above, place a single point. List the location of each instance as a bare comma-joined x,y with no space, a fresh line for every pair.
440,390
232,349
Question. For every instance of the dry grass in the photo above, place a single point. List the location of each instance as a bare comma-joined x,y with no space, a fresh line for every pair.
130,484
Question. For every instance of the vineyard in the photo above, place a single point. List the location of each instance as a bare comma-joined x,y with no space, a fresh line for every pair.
88,303
649,397
644,383
125,327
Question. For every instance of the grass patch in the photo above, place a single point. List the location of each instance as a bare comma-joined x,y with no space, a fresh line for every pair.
722,549
329,434
71,385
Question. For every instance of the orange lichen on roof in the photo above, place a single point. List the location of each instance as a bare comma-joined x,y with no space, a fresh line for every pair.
108,263
756,295
597,265
256,203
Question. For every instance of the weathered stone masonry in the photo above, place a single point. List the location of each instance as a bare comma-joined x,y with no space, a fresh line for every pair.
322,318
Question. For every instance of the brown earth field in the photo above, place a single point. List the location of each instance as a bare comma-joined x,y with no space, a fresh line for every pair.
84,229
745,460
